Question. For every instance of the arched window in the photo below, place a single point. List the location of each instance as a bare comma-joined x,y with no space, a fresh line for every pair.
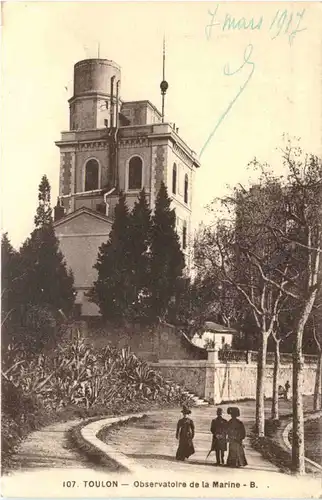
184,235
91,175
174,178
186,187
135,173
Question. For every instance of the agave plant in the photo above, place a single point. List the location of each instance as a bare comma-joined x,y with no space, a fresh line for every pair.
77,374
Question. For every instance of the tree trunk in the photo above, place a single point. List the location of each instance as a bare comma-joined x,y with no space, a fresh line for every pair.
317,401
298,417
298,461
261,366
277,362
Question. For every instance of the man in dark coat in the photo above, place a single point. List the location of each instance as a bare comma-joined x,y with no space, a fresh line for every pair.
219,438
185,433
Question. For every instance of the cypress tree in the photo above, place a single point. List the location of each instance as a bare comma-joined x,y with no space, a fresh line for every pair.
47,282
43,214
167,260
112,291
139,241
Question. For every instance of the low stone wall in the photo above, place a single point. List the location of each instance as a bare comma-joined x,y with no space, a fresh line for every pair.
172,353
217,382
234,381
149,342
189,374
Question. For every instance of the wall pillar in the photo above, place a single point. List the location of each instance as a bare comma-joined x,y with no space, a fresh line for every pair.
213,355
210,389
72,181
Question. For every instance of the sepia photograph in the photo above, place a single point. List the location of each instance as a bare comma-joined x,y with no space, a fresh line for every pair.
161,249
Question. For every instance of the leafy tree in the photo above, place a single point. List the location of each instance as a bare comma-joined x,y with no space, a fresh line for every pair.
113,291
206,299
167,260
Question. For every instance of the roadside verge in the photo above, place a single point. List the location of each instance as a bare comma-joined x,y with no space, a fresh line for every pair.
276,446
309,464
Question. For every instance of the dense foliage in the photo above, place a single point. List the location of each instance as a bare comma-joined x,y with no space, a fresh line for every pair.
36,285
47,280
44,212
139,237
11,276
113,291
141,264
167,260
79,380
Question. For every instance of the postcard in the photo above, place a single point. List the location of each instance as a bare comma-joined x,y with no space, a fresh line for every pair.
160,253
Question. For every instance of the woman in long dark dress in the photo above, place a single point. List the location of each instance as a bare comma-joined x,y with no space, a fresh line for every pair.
236,433
185,433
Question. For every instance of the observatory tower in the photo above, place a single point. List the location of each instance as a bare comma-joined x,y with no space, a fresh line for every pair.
114,145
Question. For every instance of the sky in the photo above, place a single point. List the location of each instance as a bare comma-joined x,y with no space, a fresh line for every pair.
234,87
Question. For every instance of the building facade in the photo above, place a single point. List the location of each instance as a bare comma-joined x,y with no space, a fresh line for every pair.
114,145
215,336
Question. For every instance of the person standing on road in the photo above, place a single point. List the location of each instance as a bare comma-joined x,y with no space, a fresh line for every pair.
236,433
185,433
287,391
219,438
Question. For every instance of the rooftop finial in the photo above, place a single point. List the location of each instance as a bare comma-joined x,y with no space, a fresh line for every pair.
164,84
98,50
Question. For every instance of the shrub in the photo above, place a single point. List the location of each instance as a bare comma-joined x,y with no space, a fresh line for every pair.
75,379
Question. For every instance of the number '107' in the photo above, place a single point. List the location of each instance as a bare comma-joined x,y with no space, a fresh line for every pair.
69,484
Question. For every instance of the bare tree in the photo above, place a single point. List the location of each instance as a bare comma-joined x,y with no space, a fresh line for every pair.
224,249
317,398
278,338
279,256
302,198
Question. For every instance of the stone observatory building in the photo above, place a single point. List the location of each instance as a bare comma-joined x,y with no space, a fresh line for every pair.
114,145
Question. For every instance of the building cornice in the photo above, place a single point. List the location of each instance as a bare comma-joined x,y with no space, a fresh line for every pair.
180,146
89,145
84,145
133,141
92,93
144,133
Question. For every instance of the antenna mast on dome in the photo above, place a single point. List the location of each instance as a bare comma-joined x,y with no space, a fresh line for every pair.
164,84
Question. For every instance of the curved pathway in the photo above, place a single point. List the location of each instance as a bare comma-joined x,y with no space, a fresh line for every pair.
45,466
48,448
151,442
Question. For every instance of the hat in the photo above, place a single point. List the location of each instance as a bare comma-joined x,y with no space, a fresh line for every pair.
185,410
233,411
